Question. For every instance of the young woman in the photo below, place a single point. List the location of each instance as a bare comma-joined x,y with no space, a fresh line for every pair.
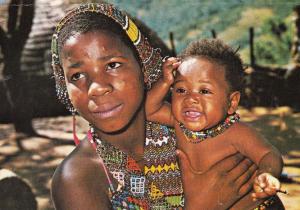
102,64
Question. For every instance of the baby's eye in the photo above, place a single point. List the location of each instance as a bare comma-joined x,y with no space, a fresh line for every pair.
77,76
204,91
180,90
113,65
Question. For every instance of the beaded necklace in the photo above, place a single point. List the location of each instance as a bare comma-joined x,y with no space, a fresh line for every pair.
196,137
158,186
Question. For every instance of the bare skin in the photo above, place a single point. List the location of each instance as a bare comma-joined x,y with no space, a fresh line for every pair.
105,85
200,100
80,181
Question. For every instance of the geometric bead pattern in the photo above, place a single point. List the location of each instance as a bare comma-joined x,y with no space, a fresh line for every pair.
159,185
160,168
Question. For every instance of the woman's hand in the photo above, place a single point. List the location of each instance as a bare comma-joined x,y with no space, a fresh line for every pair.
220,186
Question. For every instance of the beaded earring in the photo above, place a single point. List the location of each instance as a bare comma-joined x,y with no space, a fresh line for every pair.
75,137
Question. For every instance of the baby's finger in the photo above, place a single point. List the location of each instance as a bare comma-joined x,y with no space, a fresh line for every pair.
273,182
262,181
257,188
170,64
170,60
176,65
259,195
270,191
256,181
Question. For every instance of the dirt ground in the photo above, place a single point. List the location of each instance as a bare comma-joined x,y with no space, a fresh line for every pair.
35,158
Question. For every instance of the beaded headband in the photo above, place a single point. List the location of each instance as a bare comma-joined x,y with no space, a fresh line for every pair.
151,58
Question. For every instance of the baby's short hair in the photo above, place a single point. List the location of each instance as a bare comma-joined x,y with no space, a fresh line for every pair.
222,54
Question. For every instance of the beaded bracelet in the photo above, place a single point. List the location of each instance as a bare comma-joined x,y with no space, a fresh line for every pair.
266,203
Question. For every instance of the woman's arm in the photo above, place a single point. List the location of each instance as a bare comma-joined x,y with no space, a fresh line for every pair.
220,186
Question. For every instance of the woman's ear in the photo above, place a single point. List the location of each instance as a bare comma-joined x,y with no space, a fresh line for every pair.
234,100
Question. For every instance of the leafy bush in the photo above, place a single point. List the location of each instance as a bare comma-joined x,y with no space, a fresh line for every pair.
192,19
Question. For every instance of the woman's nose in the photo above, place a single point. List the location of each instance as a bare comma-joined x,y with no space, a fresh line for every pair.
99,88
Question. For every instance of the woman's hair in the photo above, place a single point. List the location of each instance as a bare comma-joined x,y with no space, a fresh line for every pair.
223,55
95,17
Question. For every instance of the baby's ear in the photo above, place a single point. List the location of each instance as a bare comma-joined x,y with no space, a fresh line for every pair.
234,100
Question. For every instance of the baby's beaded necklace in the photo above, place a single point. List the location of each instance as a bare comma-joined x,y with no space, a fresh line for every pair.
196,137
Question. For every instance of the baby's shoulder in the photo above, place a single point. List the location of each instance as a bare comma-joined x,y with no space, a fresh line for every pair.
241,127
242,131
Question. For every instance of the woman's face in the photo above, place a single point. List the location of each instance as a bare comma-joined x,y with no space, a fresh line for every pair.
103,78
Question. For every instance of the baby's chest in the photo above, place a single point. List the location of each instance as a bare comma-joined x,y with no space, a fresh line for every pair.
211,151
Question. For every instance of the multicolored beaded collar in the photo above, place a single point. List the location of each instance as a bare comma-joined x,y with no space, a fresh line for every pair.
156,186
196,137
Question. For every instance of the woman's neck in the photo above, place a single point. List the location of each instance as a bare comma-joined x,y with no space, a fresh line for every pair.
131,139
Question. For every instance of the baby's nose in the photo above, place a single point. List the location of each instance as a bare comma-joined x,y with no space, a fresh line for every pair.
192,99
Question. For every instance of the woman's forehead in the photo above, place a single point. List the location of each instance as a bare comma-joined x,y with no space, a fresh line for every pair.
95,43
149,57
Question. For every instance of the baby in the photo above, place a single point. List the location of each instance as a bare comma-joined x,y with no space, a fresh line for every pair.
205,97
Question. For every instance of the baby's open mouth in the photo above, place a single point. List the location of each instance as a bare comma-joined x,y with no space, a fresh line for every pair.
192,114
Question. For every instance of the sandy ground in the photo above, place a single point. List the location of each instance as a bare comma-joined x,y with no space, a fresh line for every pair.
35,158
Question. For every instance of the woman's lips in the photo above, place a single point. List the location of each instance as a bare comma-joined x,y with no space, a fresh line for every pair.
107,112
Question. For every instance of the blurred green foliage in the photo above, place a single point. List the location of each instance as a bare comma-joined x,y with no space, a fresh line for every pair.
231,19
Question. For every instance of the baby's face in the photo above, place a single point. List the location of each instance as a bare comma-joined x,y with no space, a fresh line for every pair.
200,97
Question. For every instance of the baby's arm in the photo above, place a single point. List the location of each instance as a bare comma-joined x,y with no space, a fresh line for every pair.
251,144
266,184
268,159
158,110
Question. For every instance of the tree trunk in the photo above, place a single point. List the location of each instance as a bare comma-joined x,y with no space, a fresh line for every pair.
20,16
15,193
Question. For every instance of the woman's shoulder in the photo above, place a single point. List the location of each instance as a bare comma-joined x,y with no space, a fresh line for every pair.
78,174
82,162
71,167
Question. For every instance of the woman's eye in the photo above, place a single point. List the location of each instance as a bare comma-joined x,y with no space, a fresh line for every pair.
180,90
76,76
113,65
205,91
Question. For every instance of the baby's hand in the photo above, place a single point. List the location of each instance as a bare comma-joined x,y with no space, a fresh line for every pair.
265,185
170,65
